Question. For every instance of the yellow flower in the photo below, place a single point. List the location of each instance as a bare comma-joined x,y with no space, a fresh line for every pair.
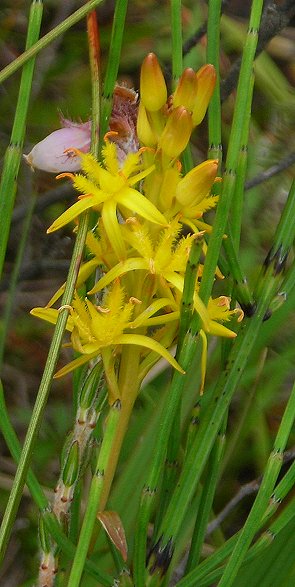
219,311
108,187
98,330
166,260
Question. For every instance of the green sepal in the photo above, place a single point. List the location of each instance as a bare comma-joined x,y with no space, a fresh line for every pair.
91,386
72,465
44,536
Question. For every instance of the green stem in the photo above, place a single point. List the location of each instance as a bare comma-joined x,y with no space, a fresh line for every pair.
14,150
176,33
48,38
43,392
207,497
95,495
94,61
262,499
67,547
113,64
212,418
129,386
10,301
187,300
228,186
238,199
241,287
204,575
213,57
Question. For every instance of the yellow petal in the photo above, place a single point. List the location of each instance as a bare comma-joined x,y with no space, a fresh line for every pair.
133,200
145,316
149,343
51,315
72,213
74,364
220,330
177,281
134,263
85,271
112,228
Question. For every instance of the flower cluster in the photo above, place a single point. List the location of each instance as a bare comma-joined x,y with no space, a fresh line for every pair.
148,215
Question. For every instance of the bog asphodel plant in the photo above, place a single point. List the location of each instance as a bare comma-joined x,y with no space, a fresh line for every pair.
148,215
142,203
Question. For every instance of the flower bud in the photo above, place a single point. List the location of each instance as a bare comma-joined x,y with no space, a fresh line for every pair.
197,183
206,77
144,130
49,155
90,387
44,536
186,90
176,133
153,90
71,468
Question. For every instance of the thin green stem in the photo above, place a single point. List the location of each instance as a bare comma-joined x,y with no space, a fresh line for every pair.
94,60
48,38
228,186
187,300
14,150
241,288
176,34
225,388
265,491
94,495
238,199
210,571
214,109
208,492
40,500
41,400
15,450
10,300
113,64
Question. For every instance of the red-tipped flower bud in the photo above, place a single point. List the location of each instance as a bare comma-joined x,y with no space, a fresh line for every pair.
176,133
206,77
153,90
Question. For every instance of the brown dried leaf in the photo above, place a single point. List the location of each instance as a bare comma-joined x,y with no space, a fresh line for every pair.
113,526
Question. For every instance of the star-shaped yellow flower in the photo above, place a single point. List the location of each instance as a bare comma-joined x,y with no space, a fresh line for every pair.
107,187
98,330
166,260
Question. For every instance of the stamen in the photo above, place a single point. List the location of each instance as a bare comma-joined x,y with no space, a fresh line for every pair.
62,175
102,310
73,152
110,134
133,300
65,307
